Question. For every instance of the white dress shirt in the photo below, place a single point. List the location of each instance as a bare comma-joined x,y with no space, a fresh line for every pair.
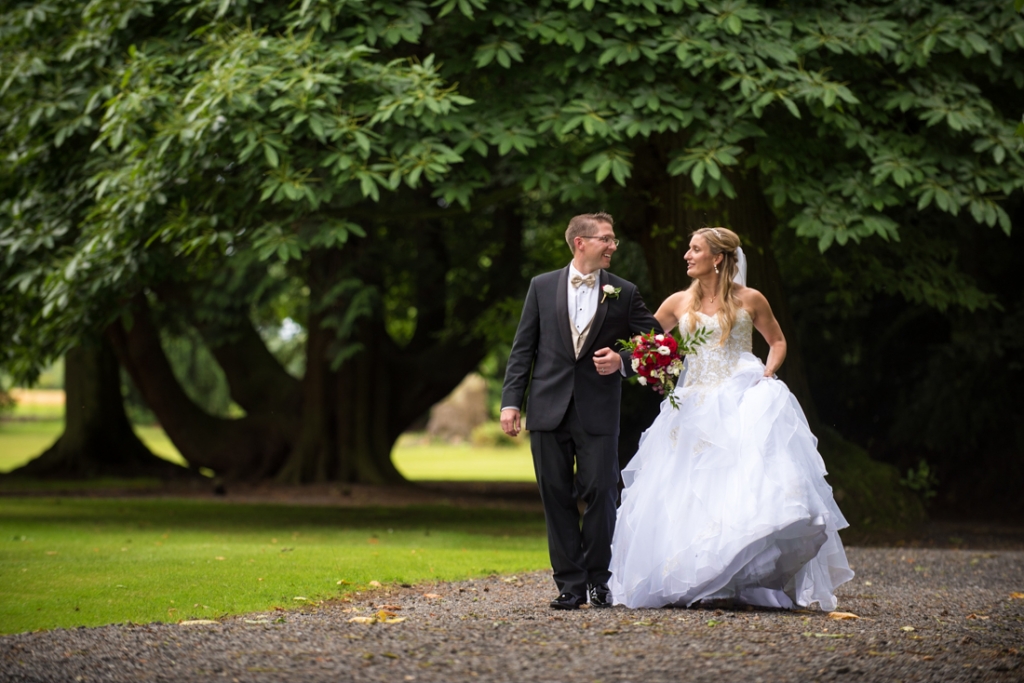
582,300
583,303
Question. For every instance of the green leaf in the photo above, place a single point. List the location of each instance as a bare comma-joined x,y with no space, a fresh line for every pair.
791,106
271,154
697,174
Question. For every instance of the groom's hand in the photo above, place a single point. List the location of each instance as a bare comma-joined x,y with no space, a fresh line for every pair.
607,361
510,423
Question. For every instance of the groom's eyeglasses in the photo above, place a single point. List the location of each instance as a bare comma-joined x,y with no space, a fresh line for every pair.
603,238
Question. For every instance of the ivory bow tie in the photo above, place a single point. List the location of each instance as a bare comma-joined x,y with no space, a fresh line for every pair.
587,280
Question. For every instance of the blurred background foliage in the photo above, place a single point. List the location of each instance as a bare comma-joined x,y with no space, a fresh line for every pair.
915,383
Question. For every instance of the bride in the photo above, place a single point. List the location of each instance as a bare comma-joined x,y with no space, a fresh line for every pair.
726,497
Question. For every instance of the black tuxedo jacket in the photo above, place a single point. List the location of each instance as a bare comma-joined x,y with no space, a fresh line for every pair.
543,357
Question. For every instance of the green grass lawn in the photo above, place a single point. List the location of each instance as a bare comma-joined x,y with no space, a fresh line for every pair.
415,458
68,562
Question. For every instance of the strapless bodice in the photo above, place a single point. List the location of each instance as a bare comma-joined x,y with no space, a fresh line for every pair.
713,361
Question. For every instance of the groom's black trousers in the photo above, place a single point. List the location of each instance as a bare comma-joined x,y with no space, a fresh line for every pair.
577,557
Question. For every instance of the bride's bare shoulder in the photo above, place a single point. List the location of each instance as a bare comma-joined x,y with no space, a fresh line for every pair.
677,301
672,300
754,303
749,296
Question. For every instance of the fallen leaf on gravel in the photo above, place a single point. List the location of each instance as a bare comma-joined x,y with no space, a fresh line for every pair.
264,620
374,584
609,632
907,628
391,607
510,579
643,623
381,617
431,596
977,616
1017,596
713,623
842,615
363,620
810,634
199,622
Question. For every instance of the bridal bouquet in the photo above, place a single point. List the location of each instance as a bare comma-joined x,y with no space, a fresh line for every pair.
658,358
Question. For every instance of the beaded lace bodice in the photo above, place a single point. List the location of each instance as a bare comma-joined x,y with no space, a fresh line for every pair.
713,363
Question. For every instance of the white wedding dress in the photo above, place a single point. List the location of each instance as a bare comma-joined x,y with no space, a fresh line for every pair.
726,496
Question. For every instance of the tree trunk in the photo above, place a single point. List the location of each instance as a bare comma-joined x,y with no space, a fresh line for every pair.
353,416
98,440
256,379
248,448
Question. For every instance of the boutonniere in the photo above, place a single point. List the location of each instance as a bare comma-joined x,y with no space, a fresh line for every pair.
610,291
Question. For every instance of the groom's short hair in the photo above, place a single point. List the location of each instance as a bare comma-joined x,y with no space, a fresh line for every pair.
585,224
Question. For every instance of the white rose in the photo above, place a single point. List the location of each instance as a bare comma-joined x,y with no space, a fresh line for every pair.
664,350
608,289
635,364
642,380
659,337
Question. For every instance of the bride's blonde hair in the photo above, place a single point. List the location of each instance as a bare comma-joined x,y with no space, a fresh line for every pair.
720,241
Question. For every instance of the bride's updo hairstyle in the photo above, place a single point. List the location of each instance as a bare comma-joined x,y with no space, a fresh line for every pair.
720,241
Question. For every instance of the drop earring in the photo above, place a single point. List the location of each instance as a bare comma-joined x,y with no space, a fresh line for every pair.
716,269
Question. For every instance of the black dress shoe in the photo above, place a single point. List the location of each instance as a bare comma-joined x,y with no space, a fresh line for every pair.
600,595
568,601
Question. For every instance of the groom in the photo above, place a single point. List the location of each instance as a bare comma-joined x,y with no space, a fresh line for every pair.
563,349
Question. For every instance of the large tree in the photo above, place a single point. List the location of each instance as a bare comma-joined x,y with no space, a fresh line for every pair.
219,145
327,142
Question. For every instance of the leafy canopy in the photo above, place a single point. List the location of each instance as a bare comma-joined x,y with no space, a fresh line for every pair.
141,135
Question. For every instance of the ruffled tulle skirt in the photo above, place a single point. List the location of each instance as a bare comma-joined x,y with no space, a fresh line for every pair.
726,498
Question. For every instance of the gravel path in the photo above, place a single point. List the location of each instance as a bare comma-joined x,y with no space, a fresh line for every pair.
925,615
